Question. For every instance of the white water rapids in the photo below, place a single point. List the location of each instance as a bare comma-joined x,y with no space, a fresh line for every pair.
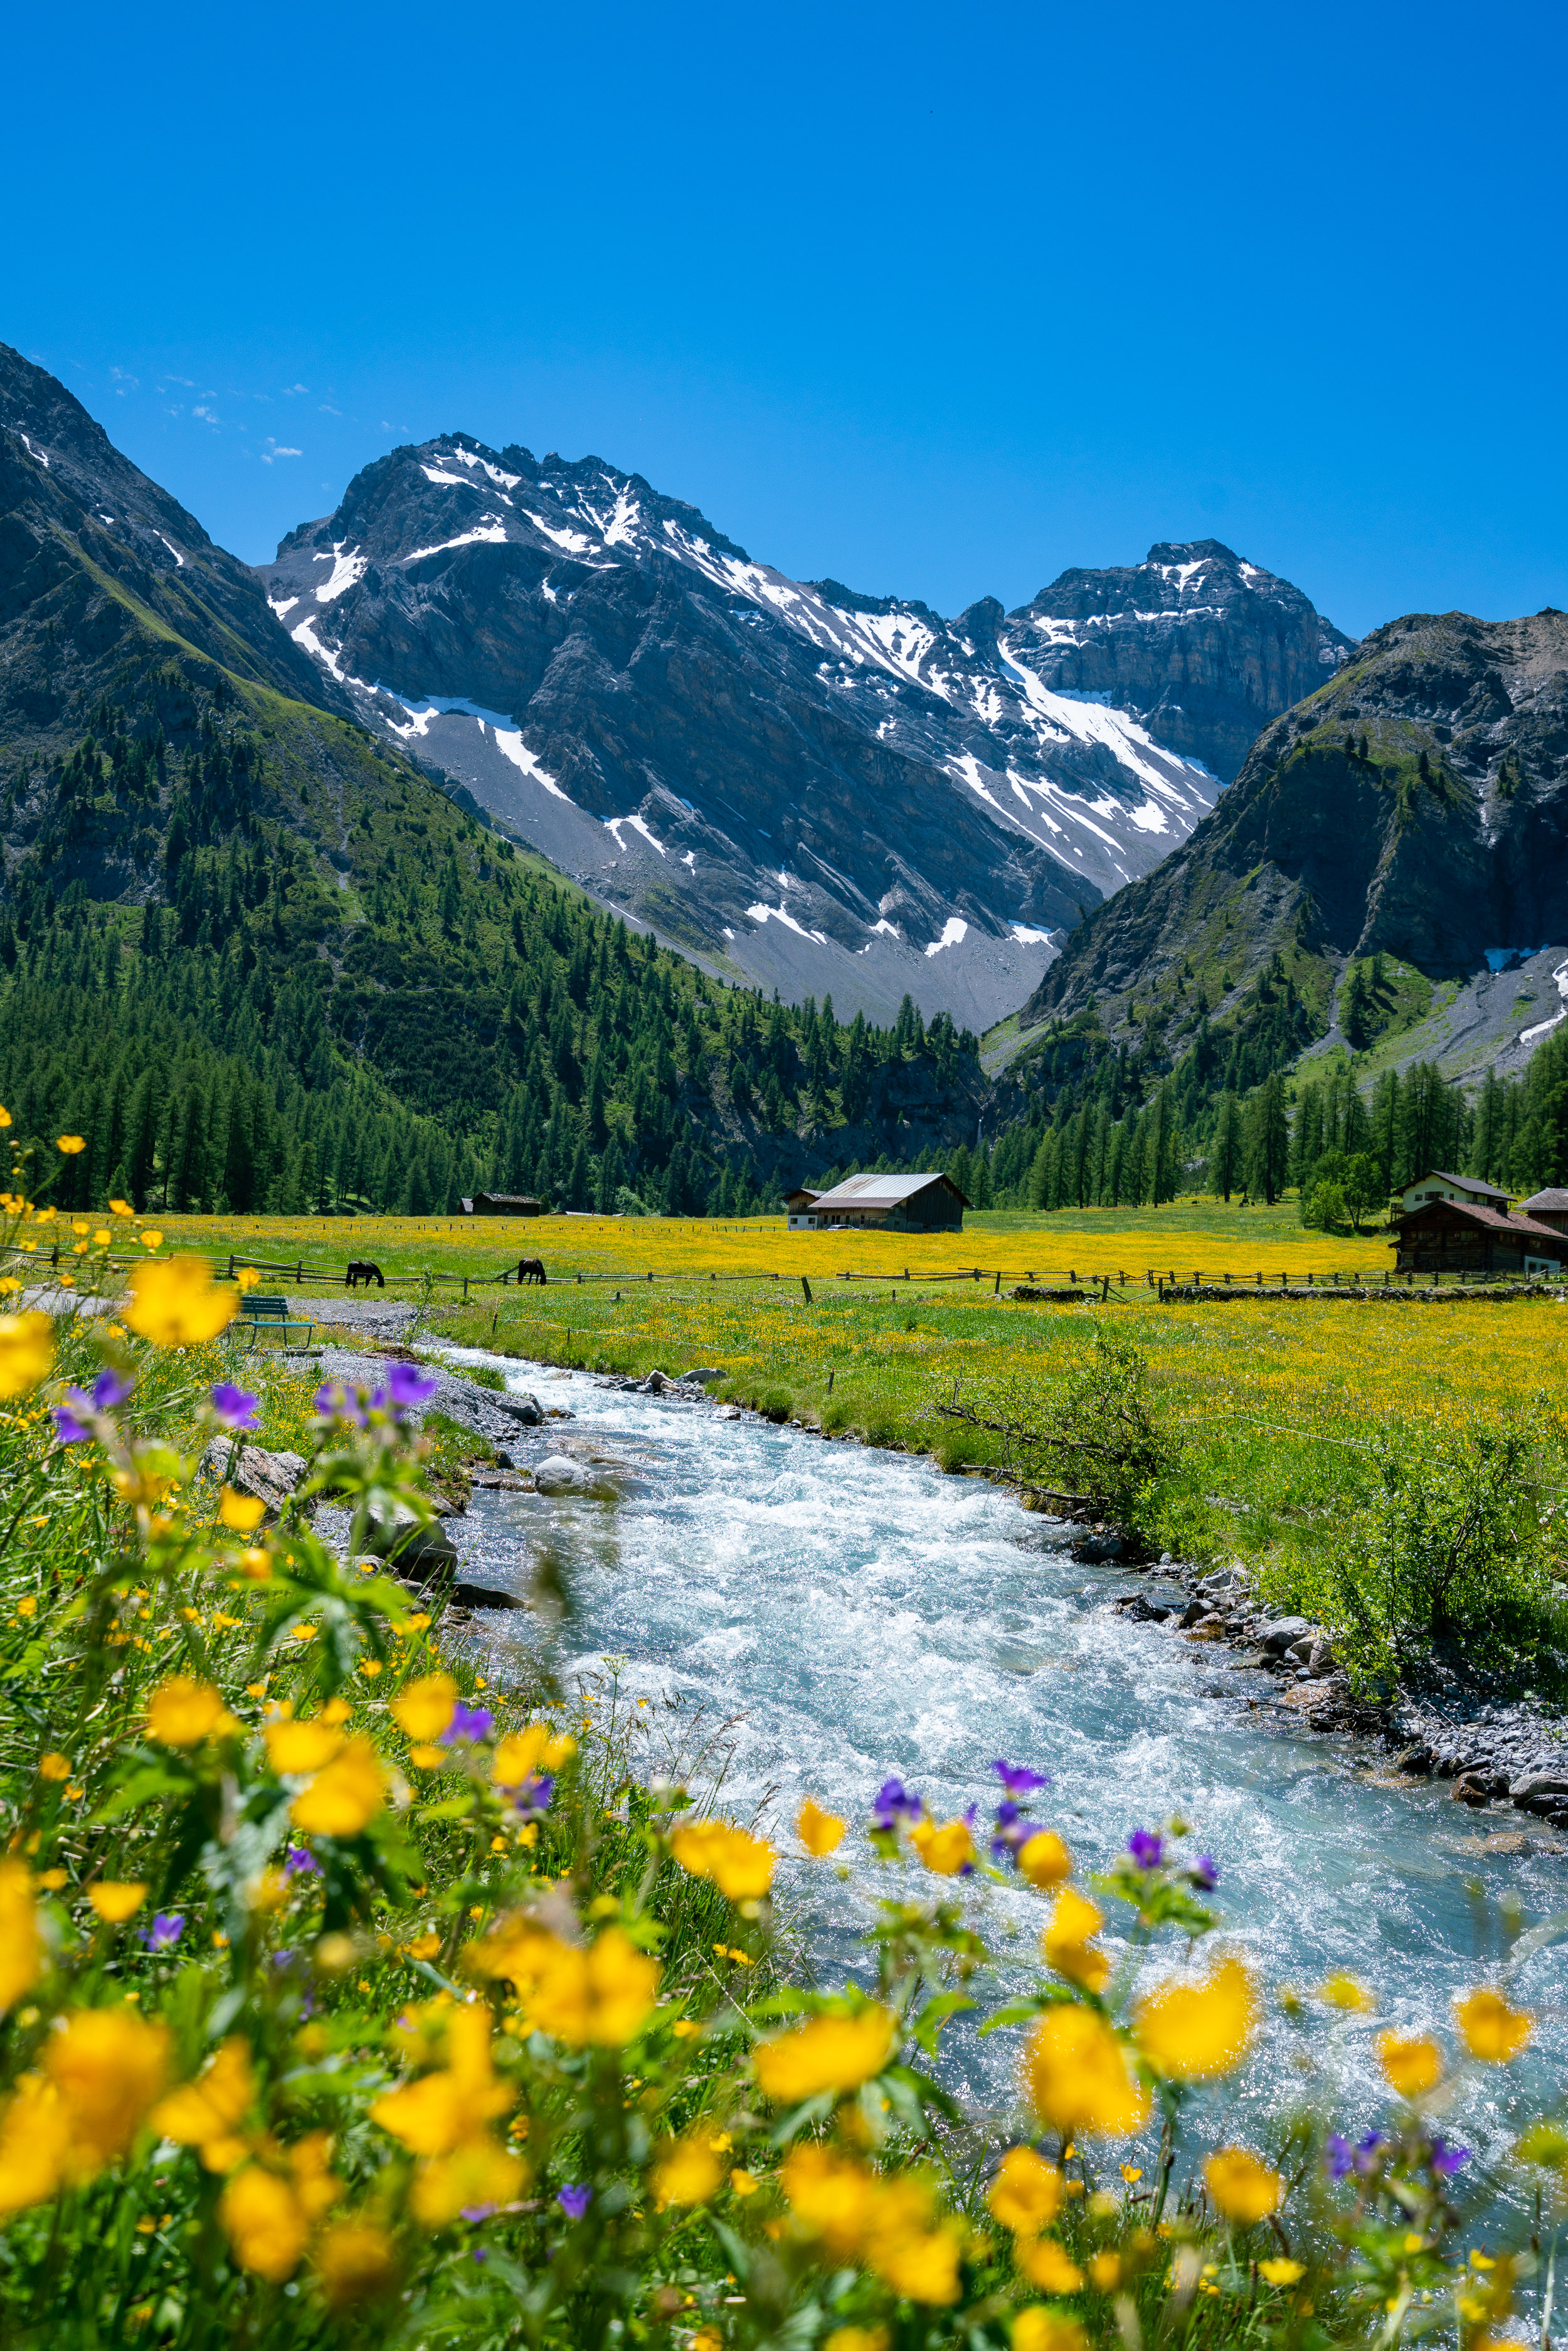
862,1614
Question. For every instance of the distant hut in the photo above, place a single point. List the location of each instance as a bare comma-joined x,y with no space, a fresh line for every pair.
503,1204
931,1203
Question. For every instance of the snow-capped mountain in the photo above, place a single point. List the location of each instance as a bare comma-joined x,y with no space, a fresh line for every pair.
816,790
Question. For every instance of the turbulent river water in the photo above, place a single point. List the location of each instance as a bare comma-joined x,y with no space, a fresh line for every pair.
858,1613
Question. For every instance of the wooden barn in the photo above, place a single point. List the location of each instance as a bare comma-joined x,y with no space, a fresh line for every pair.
931,1203
1549,1207
1458,1237
503,1204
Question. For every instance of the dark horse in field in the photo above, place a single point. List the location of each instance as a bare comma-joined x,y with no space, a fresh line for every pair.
360,1270
531,1268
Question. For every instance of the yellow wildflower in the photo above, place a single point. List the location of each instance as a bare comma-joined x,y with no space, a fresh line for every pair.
439,2111
26,1352
1492,2030
54,1766
115,1900
34,2133
205,2112
1412,2066
174,1303
342,1798
182,1712
831,2053
1076,2076
300,1745
739,1865
1065,1943
744,2183
857,2338
265,2223
1047,2265
21,1945
1241,2187
1197,2031
476,2172
820,1833
241,1511
1044,1860
356,2261
523,1754
107,2067
71,1145
1025,2193
1342,1990
424,1709
945,1850
1036,2329
686,2171
1281,2272
121,1208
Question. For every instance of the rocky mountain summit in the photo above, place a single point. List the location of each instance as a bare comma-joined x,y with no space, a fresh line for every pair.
1416,804
1202,648
814,790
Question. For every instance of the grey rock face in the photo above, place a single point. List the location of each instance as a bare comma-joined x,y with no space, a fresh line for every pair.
268,1477
824,790
557,1475
1280,1637
525,1409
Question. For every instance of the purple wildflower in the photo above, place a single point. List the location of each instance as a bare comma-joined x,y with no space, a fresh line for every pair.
1146,1848
467,1722
1018,1779
1337,2157
472,2212
892,1799
234,1407
1366,2153
574,2201
1204,1872
333,1401
534,1795
109,1389
300,1861
165,1931
406,1385
1446,2159
72,1429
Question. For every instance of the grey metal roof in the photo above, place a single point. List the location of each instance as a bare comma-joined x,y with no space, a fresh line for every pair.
1556,1201
1465,1183
878,1191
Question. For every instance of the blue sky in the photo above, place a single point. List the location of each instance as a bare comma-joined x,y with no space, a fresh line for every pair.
935,301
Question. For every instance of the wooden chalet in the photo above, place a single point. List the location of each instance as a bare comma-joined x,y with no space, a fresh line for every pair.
503,1204
1439,1185
1460,1237
1549,1207
931,1203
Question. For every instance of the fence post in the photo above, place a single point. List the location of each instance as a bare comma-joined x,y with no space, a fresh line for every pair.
995,1291
466,1290
807,1287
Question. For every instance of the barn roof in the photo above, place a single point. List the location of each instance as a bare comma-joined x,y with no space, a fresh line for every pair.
882,1191
1551,1201
1493,1219
1465,1183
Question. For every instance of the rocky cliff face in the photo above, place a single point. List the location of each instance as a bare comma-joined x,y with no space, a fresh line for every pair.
1202,648
99,566
1417,804
816,789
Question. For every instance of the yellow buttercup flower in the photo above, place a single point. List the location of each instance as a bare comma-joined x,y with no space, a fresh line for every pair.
107,2068
831,2053
182,1712
34,2135
523,1754
152,1240
1413,2066
820,1833
688,2171
946,1850
1076,2075
1048,2265
1045,1860
887,2224
1035,2329
116,1900
241,1511
267,2225
600,1997
1198,2031
1025,2194
21,1945
424,1708
1240,2187
1492,2030
738,1863
121,1208
174,1303
26,1352
207,2113
54,1766
1343,1992
1281,2272
857,2338
1065,1943
71,1145
356,2261
302,1746
346,1796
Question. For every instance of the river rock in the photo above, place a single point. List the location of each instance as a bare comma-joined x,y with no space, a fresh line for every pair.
424,1554
704,1377
557,1475
1282,1635
268,1477
1540,1792
1478,1787
526,1408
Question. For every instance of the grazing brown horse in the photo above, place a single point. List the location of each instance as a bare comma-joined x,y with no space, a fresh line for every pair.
531,1268
360,1270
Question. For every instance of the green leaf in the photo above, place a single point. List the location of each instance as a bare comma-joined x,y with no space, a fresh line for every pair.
928,2025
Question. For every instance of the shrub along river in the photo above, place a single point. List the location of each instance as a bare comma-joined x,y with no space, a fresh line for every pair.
856,1614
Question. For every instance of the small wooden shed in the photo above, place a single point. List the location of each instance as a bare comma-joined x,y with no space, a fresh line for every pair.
503,1204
